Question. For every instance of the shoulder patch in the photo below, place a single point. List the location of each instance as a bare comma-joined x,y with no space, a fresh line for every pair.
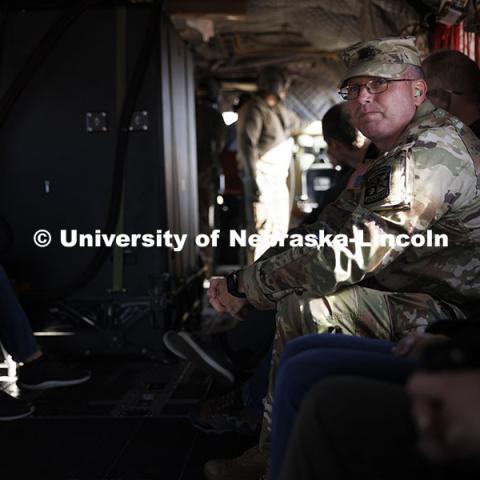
378,185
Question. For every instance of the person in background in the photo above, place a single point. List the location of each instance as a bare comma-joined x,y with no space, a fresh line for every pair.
347,148
453,82
264,153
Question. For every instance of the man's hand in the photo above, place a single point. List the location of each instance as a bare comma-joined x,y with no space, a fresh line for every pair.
414,344
446,409
221,300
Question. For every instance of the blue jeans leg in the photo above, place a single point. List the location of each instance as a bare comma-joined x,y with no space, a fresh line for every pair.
347,342
16,333
313,358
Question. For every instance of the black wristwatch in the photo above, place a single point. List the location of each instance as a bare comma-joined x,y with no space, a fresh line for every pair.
232,285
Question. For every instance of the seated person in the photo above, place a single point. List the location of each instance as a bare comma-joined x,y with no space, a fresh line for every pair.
38,370
310,359
238,358
453,82
377,438
347,148
313,358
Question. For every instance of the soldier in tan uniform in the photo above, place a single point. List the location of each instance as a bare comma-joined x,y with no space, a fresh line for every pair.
264,153
425,179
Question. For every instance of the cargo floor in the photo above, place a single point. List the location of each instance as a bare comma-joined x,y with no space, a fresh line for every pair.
130,422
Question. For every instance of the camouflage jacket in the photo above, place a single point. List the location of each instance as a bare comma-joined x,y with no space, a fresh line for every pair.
428,181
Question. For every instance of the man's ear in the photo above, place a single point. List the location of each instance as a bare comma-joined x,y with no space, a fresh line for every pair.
419,91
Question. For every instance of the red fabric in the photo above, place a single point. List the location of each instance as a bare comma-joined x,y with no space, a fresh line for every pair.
233,184
455,38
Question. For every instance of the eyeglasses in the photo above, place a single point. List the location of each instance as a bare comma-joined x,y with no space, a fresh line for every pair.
374,86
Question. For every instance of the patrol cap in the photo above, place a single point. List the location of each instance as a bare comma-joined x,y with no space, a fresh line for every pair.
385,57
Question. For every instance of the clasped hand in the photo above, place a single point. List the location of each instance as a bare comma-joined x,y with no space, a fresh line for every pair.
221,300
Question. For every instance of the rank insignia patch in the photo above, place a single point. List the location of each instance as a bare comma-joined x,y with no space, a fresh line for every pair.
378,185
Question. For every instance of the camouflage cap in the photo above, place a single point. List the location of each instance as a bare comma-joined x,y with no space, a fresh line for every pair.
384,57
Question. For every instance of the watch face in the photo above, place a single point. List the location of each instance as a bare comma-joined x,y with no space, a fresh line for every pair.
232,285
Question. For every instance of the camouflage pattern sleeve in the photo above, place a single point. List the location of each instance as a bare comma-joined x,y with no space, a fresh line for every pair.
346,195
405,191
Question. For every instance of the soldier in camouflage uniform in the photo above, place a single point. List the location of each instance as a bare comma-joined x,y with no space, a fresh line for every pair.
424,179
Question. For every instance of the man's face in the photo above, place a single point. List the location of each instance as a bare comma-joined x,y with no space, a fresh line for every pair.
382,116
